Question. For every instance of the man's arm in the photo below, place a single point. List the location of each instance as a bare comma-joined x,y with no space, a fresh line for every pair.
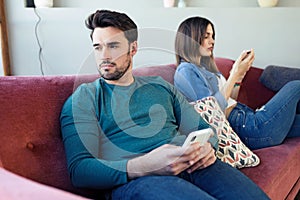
164,160
81,134
170,159
188,118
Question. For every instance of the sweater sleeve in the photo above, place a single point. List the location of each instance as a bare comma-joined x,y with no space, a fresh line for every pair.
189,119
194,86
81,134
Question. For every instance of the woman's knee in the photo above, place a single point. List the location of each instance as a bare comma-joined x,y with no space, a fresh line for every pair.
293,85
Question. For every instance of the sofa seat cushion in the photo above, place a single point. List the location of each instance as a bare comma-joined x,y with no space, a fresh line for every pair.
279,169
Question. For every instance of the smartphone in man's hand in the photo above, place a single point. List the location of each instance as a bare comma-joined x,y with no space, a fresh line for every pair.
200,136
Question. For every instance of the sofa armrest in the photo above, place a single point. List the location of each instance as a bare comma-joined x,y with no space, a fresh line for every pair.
28,189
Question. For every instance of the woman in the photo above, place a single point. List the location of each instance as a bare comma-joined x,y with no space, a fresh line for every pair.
197,76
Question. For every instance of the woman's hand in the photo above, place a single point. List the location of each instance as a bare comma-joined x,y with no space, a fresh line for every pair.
171,160
242,65
237,74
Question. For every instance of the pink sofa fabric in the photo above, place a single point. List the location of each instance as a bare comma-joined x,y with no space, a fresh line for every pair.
15,187
31,144
165,71
278,175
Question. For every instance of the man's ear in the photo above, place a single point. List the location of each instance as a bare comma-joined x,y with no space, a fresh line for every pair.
133,48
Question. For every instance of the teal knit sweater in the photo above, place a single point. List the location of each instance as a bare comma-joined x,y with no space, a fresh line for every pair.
104,125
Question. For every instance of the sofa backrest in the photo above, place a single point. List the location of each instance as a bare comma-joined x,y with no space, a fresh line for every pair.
165,71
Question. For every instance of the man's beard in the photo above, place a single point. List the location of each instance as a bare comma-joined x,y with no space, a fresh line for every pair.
118,72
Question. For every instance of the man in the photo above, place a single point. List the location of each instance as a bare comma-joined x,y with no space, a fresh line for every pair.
124,133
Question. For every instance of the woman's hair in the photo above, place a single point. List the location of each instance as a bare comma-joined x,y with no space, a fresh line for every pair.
107,18
189,37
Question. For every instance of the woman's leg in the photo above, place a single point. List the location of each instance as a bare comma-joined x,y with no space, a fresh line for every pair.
295,130
271,124
225,182
159,187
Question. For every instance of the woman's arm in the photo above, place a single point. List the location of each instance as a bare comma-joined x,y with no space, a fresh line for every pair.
190,84
237,74
194,86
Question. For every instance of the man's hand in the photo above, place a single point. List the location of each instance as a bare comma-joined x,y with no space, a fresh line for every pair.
171,160
207,158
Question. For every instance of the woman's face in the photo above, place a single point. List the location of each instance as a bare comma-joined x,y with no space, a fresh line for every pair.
207,46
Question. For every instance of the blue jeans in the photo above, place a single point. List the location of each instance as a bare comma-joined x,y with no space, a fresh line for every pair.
218,181
273,122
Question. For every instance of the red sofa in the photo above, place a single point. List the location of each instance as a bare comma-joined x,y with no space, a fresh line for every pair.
32,153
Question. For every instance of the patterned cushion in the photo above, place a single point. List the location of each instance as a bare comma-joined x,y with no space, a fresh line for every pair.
231,149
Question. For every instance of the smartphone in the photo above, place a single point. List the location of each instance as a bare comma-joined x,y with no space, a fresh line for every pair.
200,136
248,52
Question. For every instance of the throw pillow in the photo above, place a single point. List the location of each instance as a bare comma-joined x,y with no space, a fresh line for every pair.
231,149
275,77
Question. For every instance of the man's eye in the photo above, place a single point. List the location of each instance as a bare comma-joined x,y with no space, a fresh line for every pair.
113,46
97,48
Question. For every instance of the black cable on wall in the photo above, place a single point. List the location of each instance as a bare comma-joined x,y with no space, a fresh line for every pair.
38,40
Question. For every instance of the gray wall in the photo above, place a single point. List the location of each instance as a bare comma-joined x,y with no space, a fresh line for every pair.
240,24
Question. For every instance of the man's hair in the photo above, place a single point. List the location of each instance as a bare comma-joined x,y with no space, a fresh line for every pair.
189,37
107,18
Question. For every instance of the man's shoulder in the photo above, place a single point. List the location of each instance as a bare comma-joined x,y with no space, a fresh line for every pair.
89,87
151,79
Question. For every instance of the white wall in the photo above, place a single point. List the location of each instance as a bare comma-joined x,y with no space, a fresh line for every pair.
240,24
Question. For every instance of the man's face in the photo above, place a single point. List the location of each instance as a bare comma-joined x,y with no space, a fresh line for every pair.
113,52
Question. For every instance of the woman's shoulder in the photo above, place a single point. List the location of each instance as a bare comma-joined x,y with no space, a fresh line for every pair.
185,65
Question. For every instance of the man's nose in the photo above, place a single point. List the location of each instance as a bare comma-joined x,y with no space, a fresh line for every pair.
105,54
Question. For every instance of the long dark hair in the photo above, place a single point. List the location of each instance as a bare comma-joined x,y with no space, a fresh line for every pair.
189,37
107,18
